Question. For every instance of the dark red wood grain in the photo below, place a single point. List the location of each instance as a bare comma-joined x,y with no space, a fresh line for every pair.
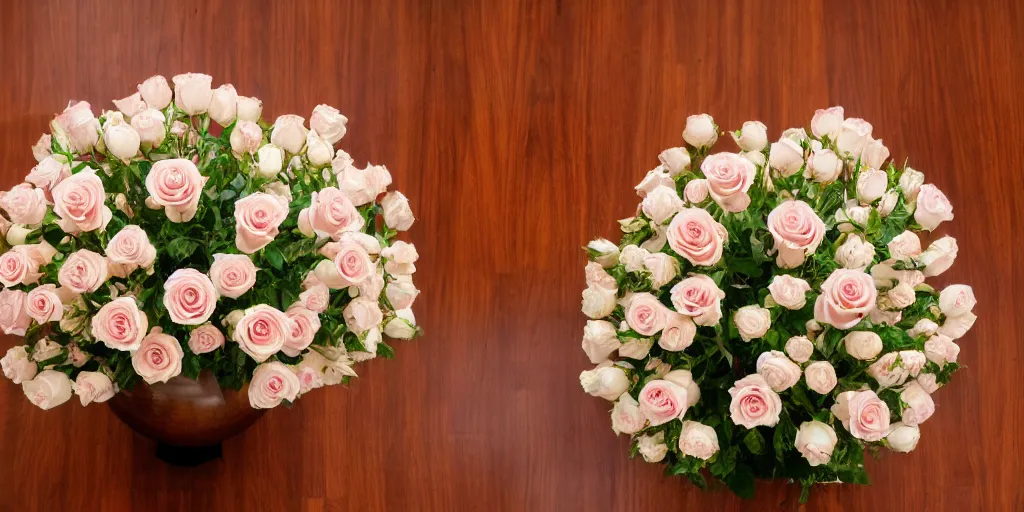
517,129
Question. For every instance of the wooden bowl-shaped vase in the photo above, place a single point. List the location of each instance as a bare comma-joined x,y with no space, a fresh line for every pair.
186,413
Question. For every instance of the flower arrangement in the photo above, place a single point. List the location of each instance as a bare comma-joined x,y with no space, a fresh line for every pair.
182,233
765,314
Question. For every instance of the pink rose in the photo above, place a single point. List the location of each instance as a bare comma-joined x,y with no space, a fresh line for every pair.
131,105
94,387
328,122
289,133
305,324
205,338
645,314
246,138
316,298
788,291
920,405
189,297
362,186
797,231
77,128
854,134
156,92
941,349
232,274
193,92
396,211
18,267
48,174
662,401
401,294
626,416
905,246
120,324
696,191
362,314
14,318
754,403
44,305
309,378
678,333
24,204
699,297
257,217
400,258
149,124
78,201
863,414
176,186
847,296
932,208
353,263
158,358
729,178
778,371
330,214
694,235
262,331
83,272
272,383
131,246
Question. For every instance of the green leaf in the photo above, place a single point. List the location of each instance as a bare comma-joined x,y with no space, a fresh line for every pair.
384,350
181,248
741,481
274,257
754,441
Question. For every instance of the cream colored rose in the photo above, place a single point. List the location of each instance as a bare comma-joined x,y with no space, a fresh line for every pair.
788,291
156,92
956,300
851,217
854,135
131,106
821,377
871,185
43,147
887,203
329,123
888,371
905,246
675,161
799,349
159,357
224,104
902,437
933,207
119,138
636,348
402,326
700,131
246,138
93,387
249,109
923,327
956,327
661,204
940,349
396,211
929,382
652,447
780,373
17,365
603,252
193,92
786,157
855,253
863,345
816,441
598,302
698,440
48,389
318,151
827,122
939,256
910,183
753,136
913,361
632,258
272,383
399,258
626,416
600,340
752,321
901,296
270,160
823,166
754,403
608,382
289,133
401,294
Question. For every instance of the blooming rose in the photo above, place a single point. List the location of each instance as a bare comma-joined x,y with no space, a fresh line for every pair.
46,175
149,124
752,321
823,166
815,441
956,326
83,271
662,401
249,109
603,252
786,156
846,297
662,203
675,161
910,183
797,232
24,204
871,185
855,253
131,246
939,256
159,357
78,201
632,258
262,331
956,300
821,377
271,384
309,378
246,138
698,440
678,333
176,186
684,379
940,349
694,235
316,298
729,177
778,371
888,371
700,131
863,345
361,186
799,349
362,314
599,340
608,382
597,276
193,92
851,216
753,136
189,296
232,274
905,246
854,134
902,437
626,416
48,389
788,291
396,212
923,327
827,122
257,217
120,139
289,133
120,324
17,266
645,314
652,447
353,263
699,297
93,387
156,92
920,405
14,318
329,214
17,366
863,414
328,122
402,326
305,323
43,304
932,207
754,403
205,338
77,128
598,302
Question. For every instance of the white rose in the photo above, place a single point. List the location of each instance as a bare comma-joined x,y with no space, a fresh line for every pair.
608,382
929,382
799,349
940,349
888,203
401,294
700,131
788,291
289,133
43,147
402,326
955,327
923,327
752,321
652,448
270,159
905,246
663,268
156,92
318,151
753,136
786,156
598,302
956,300
933,207
626,416
855,253
637,348
249,109
901,296
821,377
678,333
684,379
871,185
661,204
17,365
757,158
329,123
698,440
823,166
675,160
120,138
780,373
93,387
914,361
149,124
396,211
600,340
696,191
246,137
192,92
828,122
632,257
224,104
910,183
875,153
798,135
920,405
653,179
604,252
48,389
854,135
887,372
863,345
939,256
903,437
849,216
362,314
816,441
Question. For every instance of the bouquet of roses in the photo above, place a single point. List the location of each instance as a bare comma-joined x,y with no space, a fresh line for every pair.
766,314
150,243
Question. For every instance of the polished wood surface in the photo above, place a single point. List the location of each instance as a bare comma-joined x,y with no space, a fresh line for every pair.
517,129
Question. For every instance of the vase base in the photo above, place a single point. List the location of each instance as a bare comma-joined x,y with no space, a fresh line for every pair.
188,456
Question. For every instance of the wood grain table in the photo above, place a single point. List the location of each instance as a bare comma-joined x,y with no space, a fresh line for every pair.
517,129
